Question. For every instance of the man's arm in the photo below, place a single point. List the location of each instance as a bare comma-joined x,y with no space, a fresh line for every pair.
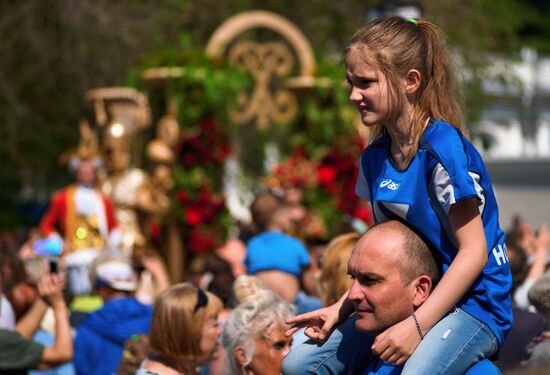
541,246
155,265
62,350
29,323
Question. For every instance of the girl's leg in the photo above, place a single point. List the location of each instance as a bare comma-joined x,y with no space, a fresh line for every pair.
452,346
346,349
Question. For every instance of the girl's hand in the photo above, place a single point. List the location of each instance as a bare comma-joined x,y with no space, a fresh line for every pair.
397,343
318,323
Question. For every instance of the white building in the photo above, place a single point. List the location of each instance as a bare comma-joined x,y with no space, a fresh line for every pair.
518,121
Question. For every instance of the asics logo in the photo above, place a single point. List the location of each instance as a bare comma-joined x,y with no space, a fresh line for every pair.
389,184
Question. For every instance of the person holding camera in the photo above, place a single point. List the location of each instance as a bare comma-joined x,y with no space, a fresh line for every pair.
18,353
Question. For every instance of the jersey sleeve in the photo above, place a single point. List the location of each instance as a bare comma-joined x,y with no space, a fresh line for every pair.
451,179
361,187
446,193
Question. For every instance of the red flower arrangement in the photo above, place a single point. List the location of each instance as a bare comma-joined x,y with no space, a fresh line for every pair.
210,145
329,184
203,214
199,178
297,170
337,174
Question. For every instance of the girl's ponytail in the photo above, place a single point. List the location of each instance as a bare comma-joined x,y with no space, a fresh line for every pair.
439,93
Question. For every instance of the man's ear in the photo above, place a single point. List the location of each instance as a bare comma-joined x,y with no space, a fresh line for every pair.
413,80
422,289
240,354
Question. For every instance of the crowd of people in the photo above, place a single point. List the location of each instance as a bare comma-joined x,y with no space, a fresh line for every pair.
433,287
239,326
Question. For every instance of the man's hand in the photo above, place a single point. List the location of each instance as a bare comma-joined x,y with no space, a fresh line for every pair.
318,323
397,343
50,287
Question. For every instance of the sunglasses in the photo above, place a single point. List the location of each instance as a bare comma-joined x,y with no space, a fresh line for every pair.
202,300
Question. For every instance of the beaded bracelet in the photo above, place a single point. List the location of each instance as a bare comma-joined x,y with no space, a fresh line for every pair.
418,327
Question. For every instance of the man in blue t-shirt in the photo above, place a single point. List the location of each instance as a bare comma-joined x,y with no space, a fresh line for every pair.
281,261
393,273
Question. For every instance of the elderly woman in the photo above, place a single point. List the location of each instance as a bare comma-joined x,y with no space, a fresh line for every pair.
254,336
184,331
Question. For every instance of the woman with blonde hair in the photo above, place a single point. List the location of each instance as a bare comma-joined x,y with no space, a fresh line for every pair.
184,331
254,335
334,280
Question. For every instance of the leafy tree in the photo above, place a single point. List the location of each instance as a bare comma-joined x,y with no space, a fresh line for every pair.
54,50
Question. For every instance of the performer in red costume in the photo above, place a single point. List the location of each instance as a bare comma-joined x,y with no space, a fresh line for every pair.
83,218
80,213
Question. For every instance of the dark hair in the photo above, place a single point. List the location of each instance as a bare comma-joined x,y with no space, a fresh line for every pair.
9,257
517,260
263,209
222,278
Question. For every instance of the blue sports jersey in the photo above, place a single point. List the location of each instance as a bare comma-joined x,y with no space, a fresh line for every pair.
445,170
276,251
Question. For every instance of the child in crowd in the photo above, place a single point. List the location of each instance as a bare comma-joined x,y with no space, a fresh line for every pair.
279,260
420,168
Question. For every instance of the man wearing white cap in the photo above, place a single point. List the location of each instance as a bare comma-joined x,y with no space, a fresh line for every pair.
100,338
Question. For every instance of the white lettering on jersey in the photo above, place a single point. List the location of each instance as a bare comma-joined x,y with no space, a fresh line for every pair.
500,254
389,184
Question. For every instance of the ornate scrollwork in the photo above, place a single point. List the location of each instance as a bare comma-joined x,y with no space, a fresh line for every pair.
270,64
266,62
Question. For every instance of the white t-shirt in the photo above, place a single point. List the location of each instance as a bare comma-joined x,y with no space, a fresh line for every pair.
7,316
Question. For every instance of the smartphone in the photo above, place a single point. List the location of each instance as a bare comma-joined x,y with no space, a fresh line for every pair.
53,265
50,246
138,265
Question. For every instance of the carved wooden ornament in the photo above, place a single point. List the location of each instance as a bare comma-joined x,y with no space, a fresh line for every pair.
269,64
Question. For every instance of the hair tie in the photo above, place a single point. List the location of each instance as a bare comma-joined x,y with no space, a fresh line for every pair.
411,20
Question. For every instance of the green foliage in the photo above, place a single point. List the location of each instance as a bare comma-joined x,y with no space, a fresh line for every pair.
53,51
201,96
326,113
324,133
324,205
